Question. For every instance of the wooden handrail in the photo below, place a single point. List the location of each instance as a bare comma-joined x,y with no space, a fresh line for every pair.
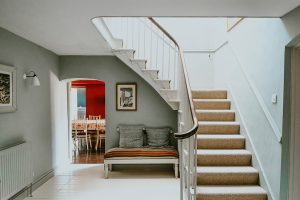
193,130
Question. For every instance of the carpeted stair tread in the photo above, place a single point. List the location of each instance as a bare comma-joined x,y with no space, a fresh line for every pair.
216,127
231,193
224,170
215,115
224,152
227,175
212,104
220,141
232,157
209,94
230,169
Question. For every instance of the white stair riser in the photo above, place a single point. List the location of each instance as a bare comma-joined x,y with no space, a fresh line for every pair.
152,73
163,84
129,53
140,63
174,105
171,94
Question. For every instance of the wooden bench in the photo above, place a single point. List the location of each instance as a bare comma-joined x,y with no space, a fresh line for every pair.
141,156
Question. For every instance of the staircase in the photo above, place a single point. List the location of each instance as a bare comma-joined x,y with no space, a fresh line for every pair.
214,164
224,170
147,50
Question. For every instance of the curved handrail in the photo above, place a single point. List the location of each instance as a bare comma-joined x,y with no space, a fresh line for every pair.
193,130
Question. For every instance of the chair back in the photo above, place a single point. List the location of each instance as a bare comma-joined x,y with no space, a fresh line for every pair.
94,117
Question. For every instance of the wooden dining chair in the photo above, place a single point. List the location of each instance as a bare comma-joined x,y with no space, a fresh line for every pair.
100,133
94,117
81,133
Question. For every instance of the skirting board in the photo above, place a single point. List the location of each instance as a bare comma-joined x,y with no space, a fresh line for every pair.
35,185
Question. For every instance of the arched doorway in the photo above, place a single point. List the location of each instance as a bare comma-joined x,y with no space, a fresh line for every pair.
87,121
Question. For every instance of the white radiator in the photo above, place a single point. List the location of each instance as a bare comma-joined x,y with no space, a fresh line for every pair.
15,170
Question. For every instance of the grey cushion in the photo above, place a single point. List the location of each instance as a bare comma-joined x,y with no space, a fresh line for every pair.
131,135
158,136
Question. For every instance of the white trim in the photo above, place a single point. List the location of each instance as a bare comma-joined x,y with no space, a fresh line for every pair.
292,180
102,28
141,160
262,104
246,131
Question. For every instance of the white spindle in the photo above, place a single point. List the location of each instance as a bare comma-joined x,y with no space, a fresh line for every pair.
127,33
151,41
138,37
145,40
162,57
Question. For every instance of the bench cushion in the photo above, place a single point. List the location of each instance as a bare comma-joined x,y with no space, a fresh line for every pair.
141,152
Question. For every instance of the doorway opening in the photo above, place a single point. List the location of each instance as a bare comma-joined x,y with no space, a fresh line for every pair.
87,120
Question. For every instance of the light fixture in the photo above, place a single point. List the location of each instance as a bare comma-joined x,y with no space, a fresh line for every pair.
35,78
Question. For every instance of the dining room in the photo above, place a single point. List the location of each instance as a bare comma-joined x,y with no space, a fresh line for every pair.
87,117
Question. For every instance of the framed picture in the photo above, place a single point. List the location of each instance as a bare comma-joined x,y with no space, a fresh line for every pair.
7,89
126,97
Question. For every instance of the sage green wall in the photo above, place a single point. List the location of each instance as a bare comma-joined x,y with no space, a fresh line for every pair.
152,110
34,119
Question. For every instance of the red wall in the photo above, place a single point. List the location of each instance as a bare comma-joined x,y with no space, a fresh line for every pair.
95,96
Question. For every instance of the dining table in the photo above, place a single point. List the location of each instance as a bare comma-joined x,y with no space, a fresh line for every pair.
97,125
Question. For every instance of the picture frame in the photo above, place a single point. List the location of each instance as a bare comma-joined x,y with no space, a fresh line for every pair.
126,96
8,89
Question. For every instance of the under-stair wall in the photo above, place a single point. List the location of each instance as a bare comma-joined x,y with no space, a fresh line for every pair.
152,110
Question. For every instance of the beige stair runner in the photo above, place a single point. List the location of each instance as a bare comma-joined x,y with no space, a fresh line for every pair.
224,169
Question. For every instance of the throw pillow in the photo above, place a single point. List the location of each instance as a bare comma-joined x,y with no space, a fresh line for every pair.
131,135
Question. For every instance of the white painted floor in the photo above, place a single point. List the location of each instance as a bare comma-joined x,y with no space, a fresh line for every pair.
86,182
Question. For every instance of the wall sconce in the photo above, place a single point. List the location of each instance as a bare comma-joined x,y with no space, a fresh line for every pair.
35,78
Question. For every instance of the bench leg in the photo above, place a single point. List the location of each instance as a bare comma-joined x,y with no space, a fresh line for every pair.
176,168
110,166
106,166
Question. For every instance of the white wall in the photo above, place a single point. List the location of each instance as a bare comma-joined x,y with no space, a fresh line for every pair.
197,38
59,121
252,67
73,104
192,33
200,70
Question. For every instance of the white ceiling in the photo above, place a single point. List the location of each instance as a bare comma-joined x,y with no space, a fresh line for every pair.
64,26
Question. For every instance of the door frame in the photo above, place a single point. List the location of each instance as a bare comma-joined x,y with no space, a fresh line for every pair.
291,129
294,148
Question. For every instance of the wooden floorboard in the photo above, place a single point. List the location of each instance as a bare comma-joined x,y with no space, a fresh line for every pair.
88,157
